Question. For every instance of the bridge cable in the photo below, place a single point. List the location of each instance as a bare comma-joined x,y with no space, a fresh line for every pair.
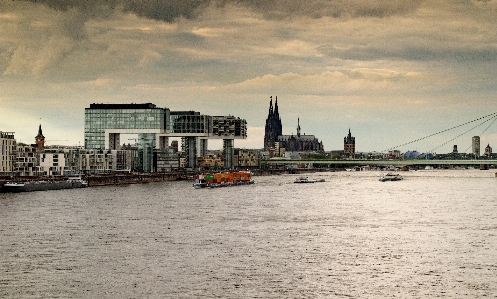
482,133
419,139
494,118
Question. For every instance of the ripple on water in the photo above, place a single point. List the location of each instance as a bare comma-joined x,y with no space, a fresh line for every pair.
430,235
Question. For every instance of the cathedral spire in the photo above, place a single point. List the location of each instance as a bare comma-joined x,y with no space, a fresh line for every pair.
276,108
273,125
298,126
270,105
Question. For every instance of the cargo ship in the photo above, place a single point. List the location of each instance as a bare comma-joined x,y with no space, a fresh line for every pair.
222,179
43,185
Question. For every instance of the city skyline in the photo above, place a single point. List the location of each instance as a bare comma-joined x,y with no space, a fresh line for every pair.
391,72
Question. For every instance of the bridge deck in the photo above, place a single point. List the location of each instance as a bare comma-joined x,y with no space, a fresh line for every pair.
384,162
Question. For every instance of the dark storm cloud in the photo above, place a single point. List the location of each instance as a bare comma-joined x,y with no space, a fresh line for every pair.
169,10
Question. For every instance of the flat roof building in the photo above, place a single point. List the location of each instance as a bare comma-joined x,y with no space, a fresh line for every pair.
8,146
105,122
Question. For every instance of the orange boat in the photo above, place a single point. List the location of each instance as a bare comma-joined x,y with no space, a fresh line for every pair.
222,179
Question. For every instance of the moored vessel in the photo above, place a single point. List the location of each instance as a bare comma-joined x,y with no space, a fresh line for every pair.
43,185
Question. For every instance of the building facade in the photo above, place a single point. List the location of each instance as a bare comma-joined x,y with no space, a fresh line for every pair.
8,148
210,162
349,145
488,151
166,160
104,123
475,145
26,160
247,158
299,142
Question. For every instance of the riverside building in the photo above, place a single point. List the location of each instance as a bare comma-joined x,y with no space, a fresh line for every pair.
104,123
488,151
7,152
349,146
275,141
475,144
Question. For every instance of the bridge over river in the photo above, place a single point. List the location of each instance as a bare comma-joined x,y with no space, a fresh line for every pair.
381,162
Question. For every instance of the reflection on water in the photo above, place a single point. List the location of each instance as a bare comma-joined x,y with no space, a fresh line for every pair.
434,234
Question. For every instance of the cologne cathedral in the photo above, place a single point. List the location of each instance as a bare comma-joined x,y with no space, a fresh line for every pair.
291,143
273,125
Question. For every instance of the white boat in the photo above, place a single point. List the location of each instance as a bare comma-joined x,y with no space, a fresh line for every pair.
304,180
390,177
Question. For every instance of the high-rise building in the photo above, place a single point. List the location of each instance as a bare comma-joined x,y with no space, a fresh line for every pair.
349,145
476,146
273,125
7,151
454,149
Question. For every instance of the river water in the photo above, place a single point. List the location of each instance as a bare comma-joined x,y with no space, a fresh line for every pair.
434,234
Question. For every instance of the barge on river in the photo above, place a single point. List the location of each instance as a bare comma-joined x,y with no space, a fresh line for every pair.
43,185
222,179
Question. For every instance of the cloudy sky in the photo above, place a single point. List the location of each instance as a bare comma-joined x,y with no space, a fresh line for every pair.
391,71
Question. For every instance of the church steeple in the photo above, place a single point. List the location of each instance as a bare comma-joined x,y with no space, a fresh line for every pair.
298,126
349,145
40,139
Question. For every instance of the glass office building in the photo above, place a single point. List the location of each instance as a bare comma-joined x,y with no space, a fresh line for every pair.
190,122
104,122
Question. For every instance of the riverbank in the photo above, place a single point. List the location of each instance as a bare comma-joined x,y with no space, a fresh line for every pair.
142,178
109,179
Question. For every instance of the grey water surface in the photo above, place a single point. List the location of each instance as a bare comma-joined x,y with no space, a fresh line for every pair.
434,234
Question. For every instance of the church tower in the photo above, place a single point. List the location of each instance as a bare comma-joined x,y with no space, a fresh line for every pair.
298,127
273,125
349,145
40,139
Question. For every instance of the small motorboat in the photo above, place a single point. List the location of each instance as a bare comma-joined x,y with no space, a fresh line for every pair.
304,179
390,177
